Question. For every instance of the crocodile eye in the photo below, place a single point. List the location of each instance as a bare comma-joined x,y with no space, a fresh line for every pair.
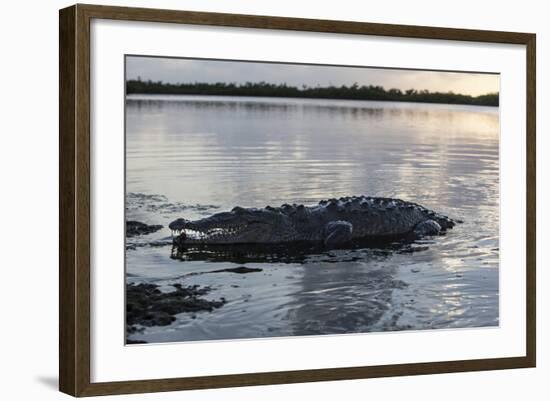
238,210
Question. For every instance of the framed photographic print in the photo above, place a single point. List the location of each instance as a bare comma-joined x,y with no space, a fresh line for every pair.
250,200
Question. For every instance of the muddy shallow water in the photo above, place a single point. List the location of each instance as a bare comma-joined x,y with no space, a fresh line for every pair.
191,156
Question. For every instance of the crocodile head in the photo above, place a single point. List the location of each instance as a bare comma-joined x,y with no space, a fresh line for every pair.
240,225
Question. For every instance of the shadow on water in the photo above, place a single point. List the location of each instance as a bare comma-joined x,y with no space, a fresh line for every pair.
295,252
355,300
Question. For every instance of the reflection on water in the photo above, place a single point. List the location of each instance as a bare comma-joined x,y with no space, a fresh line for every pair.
190,156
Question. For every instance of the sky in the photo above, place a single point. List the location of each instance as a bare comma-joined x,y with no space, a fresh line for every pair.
176,70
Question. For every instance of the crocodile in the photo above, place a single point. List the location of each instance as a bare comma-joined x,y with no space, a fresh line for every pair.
332,222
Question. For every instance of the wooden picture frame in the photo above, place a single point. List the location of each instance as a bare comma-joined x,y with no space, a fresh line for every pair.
74,199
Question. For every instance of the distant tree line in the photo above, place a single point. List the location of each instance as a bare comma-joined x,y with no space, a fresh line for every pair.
353,92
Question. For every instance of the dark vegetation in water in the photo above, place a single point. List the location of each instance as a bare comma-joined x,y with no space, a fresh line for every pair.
238,270
134,228
147,305
353,92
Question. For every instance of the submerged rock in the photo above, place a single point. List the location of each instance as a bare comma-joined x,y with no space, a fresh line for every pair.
134,228
147,306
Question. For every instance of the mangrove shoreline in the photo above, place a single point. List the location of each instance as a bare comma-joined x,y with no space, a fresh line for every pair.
353,92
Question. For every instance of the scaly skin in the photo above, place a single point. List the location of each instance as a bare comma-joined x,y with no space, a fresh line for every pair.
334,222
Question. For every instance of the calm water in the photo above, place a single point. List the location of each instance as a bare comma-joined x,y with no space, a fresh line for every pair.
191,156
